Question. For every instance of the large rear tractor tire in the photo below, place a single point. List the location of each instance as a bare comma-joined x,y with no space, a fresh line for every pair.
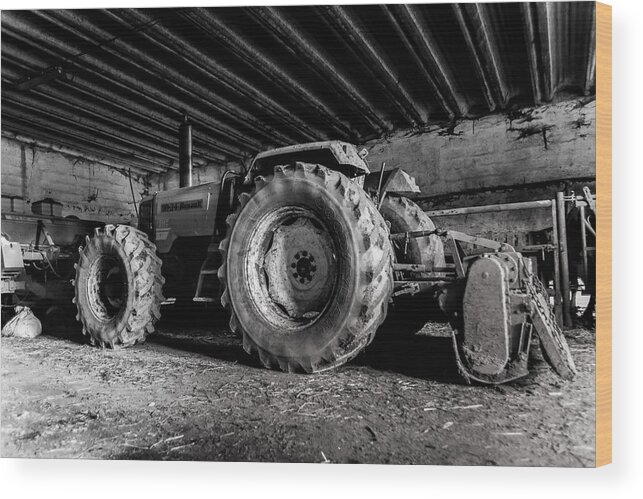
307,270
118,286
410,312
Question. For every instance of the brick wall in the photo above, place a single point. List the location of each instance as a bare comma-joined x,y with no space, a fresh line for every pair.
87,190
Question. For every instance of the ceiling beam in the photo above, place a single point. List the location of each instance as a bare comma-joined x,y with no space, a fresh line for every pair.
214,28
65,128
367,50
119,135
274,113
29,128
32,36
407,21
80,93
538,38
293,40
479,37
82,27
590,73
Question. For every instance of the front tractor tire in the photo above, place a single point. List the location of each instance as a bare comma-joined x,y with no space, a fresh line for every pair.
118,286
307,269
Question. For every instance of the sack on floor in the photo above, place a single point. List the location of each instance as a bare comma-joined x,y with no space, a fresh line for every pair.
22,325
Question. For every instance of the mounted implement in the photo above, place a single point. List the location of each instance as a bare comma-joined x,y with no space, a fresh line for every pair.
306,253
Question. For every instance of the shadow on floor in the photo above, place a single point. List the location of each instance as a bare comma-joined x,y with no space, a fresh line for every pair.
205,331
417,355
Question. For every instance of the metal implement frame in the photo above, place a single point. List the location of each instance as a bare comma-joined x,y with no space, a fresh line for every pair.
562,291
449,273
524,304
526,205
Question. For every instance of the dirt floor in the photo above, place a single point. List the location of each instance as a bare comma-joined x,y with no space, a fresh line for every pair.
193,394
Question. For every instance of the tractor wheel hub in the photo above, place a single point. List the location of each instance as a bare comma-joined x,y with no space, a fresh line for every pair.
300,266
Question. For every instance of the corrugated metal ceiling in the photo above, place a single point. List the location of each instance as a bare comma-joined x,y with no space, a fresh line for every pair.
259,77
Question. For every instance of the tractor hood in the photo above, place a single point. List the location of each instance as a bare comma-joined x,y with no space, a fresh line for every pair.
334,154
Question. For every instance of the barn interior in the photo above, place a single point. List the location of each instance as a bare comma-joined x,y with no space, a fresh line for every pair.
490,108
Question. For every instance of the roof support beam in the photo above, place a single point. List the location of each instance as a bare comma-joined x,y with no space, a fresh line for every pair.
85,95
383,71
293,40
82,27
214,28
31,115
146,91
128,83
538,38
479,37
24,126
57,112
277,115
419,41
590,74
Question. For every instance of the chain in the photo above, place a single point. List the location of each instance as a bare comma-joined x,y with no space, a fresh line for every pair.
534,291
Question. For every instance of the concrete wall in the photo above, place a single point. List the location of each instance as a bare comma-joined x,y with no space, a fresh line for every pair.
87,190
531,146
525,155
200,175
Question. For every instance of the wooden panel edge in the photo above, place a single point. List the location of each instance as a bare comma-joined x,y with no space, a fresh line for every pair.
604,234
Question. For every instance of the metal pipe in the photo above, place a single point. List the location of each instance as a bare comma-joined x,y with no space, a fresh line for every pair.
583,240
564,261
558,297
185,153
401,236
491,208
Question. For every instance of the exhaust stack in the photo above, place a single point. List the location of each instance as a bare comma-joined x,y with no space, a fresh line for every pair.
185,153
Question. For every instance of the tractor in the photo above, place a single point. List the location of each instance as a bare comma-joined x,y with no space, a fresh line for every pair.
306,251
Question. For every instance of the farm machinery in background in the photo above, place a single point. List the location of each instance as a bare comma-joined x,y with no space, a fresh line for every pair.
38,255
306,252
